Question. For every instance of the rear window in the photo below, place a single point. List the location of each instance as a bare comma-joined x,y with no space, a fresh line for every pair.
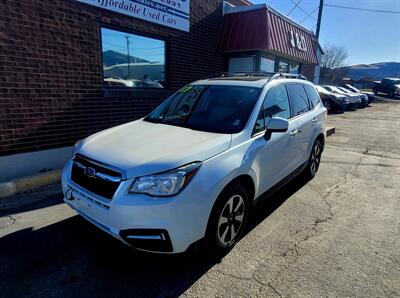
312,95
298,99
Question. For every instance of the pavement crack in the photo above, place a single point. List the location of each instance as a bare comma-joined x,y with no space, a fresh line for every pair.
12,219
275,290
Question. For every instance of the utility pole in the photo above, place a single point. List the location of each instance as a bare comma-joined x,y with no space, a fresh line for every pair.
321,6
129,57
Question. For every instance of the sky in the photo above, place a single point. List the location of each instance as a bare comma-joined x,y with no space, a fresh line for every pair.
146,48
369,37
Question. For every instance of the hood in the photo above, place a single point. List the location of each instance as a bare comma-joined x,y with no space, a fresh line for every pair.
142,148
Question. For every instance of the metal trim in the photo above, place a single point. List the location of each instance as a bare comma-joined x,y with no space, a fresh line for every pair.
100,164
147,237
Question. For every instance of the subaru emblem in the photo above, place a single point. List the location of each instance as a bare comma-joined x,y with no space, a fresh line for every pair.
90,172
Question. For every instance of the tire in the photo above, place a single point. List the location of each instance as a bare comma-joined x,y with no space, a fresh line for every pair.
314,160
230,211
328,106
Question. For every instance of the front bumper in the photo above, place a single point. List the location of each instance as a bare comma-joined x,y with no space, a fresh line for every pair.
167,225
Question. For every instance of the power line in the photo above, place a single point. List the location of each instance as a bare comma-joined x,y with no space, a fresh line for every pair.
362,9
294,7
305,12
309,15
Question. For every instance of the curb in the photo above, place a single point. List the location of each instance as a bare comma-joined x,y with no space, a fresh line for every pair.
25,184
330,131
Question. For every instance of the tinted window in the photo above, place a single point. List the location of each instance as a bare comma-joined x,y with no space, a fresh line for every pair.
276,103
312,95
298,99
213,108
260,124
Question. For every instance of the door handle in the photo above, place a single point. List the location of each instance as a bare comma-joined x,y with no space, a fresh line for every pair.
314,120
294,132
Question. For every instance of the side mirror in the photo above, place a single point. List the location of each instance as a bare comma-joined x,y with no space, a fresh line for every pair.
277,124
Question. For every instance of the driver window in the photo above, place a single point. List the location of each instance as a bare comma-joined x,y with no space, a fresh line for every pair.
276,103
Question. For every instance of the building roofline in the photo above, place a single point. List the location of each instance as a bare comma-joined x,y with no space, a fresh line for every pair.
239,9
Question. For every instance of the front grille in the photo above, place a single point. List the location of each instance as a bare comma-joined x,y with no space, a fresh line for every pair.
105,181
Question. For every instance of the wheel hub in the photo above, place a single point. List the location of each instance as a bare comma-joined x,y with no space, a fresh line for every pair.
231,219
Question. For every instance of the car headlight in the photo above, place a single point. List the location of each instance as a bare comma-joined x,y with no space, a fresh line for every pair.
165,184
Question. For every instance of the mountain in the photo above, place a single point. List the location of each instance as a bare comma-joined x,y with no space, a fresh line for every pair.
112,58
376,71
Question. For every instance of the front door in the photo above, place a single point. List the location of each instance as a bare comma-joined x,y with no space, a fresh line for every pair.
276,155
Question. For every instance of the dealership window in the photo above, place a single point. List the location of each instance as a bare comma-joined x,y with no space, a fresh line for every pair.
131,60
294,67
242,64
283,66
267,65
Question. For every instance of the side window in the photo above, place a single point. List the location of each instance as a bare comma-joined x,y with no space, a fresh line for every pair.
260,124
298,99
312,95
276,103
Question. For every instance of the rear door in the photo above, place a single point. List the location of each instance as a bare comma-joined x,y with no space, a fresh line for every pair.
302,121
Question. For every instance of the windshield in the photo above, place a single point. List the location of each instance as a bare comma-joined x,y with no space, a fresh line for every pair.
344,90
334,89
212,108
321,89
354,89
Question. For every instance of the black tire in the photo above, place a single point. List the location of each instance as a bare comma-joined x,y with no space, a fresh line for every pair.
328,106
216,228
314,160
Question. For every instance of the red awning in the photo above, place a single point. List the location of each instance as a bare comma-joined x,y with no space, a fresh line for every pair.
266,30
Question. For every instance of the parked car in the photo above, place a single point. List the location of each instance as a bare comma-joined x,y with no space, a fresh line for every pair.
354,100
363,97
390,86
332,102
370,95
192,169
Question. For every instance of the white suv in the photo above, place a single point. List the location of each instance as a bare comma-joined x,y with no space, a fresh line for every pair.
194,167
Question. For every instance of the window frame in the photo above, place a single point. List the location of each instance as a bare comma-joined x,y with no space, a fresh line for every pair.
142,34
262,110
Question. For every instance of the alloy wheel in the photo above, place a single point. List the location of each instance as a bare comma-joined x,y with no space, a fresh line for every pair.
231,220
315,158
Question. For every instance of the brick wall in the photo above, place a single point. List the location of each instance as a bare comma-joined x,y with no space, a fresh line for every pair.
51,70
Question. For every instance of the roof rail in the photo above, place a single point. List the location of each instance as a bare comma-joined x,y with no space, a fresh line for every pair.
270,75
241,74
282,75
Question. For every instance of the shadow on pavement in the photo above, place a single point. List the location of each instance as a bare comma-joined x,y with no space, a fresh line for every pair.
31,201
72,257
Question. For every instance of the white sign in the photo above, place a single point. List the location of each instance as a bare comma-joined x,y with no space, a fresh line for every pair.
297,41
171,13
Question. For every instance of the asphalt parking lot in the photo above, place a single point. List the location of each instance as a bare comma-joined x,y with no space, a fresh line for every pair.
337,235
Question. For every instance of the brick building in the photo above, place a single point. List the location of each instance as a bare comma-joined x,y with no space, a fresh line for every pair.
69,69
